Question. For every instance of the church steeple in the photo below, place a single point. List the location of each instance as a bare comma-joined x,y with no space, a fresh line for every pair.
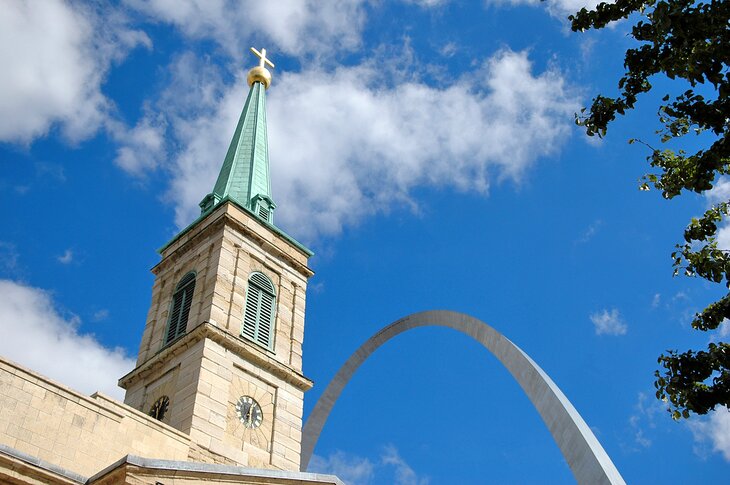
244,176
221,353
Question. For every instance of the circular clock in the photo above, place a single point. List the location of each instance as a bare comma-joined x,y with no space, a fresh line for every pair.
249,412
159,408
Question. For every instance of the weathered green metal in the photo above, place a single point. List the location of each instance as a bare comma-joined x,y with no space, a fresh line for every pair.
244,176
202,216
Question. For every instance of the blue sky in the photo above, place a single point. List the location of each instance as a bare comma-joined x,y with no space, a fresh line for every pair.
425,150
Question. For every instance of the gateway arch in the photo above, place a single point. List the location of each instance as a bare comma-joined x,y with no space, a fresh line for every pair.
586,457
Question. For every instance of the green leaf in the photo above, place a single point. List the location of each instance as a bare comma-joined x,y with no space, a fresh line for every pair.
688,42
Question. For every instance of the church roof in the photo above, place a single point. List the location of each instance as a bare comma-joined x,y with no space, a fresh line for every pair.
245,171
140,469
244,176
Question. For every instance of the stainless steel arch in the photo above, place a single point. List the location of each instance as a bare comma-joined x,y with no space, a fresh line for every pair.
586,457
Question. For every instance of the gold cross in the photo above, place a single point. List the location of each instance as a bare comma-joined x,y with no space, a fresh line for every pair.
262,58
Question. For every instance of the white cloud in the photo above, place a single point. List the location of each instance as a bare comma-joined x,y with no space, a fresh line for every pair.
142,147
721,193
724,329
609,322
641,440
36,335
723,237
66,258
344,145
715,429
404,474
54,59
449,49
353,470
656,300
590,232
293,26
100,315
356,470
557,8
51,171
722,332
427,3
9,258
646,409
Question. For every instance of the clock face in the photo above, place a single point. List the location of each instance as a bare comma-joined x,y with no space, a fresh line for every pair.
249,412
159,408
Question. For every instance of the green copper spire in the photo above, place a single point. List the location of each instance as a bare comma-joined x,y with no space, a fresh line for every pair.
244,176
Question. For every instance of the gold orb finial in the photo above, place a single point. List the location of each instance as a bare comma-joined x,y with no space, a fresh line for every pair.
260,73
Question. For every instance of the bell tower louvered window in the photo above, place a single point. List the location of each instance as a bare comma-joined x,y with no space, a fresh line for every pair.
264,212
180,310
263,207
258,317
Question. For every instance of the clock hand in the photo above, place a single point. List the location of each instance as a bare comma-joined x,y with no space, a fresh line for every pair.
247,416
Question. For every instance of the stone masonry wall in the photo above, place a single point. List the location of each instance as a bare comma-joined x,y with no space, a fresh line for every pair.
238,259
223,259
276,443
79,433
205,380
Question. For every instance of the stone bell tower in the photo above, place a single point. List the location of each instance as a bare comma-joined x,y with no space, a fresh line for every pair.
221,354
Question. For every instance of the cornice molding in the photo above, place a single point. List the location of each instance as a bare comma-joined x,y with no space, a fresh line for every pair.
242,348
222,216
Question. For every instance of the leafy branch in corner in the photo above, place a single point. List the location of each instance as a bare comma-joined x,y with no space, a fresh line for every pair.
690,41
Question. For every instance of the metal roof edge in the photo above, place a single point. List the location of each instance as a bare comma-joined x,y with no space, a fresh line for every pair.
228,198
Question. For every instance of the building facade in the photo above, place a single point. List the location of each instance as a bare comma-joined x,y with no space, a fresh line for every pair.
217,392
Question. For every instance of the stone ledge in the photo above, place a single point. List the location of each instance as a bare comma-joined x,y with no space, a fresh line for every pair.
142,418
230,213
182,468
89,402
240,347
28,465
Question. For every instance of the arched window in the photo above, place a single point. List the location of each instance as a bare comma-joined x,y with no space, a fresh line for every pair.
181,301
159,408
258,317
